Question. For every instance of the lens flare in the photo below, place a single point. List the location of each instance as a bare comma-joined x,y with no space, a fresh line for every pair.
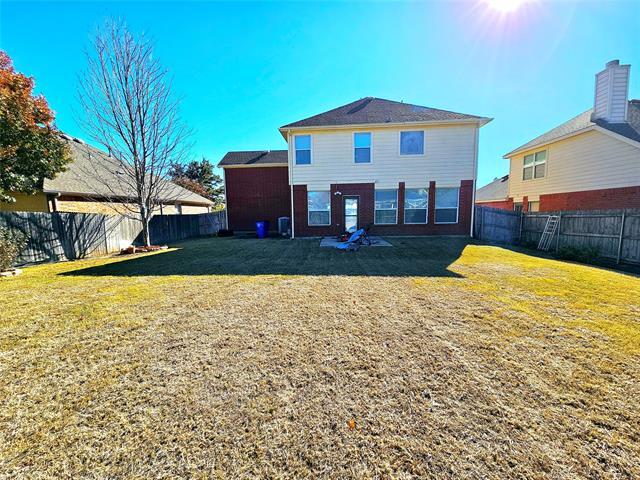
505,6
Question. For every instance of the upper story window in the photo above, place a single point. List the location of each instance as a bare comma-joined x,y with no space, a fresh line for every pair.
303,149
412,143
534,165
362,147
319,208
386,207
415,205
447,205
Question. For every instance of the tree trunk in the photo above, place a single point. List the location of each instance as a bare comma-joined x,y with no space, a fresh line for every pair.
144,217
145,233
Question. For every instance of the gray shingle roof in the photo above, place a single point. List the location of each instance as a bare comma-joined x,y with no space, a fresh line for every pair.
95,174
256,157
631,129
371,110
496,190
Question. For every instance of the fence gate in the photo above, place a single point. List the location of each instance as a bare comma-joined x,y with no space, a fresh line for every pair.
497,226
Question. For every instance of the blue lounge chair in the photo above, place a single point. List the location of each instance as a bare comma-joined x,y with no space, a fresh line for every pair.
354,241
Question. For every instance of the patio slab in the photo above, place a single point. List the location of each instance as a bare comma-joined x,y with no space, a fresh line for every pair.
375,242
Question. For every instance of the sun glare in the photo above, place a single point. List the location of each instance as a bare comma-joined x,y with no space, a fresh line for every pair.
505,6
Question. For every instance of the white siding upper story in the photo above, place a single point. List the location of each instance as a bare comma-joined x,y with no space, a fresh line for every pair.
589,161
449,157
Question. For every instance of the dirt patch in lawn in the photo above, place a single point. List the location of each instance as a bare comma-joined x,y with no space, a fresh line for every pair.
486,374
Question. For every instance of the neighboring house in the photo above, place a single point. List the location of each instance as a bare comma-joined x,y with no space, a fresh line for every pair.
495,194
91,184
589,162
404,169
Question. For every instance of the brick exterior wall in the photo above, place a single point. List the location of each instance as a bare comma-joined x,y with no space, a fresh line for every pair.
610,198
502,205
366,193
257,193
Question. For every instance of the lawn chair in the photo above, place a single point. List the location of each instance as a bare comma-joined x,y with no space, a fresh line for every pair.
354,242
366,239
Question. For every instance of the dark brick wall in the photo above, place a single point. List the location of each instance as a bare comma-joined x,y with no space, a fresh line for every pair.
626,197
366,192
257,193
503,205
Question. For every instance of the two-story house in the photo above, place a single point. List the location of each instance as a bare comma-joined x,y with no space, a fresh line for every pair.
401,168
589,162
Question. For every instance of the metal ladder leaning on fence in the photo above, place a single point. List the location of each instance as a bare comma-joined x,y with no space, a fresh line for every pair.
548,233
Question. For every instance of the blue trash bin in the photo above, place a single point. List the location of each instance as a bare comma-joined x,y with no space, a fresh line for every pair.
262,229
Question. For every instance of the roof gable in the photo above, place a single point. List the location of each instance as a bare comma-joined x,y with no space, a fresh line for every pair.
584,121
371,110
496,190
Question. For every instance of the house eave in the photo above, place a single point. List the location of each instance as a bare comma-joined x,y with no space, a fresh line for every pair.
520,150
254,165
481,121
122,198
596,128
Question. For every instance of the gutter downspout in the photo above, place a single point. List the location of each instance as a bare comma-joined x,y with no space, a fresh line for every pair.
290,171
475,180
226,205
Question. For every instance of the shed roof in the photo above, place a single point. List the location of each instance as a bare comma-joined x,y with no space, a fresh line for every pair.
254,157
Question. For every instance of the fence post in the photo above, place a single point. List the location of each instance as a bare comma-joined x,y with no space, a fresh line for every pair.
559,227
621,237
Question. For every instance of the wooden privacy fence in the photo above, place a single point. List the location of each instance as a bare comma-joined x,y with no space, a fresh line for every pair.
498,226
614,233
170,228
69,236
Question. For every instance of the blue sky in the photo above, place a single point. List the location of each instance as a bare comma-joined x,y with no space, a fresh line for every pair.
244,69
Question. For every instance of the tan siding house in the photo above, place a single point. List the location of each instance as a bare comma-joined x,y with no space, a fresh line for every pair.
389,167
449,155
590,162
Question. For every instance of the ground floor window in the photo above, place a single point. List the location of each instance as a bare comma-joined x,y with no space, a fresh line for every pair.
386,207
517,207
415,205
534,206
447,205
319,208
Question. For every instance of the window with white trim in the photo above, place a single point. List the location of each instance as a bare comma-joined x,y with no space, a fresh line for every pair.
447,200
319,208
303,149
362,147
416,202
386,207
412,142
534,165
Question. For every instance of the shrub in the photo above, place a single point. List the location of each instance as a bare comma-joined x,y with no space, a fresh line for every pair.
11,244
579,254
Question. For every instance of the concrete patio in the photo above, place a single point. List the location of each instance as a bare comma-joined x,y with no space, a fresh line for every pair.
375,242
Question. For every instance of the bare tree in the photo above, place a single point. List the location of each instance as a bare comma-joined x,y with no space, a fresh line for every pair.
128,107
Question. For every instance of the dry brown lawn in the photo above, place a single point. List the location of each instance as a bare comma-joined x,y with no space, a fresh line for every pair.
239,358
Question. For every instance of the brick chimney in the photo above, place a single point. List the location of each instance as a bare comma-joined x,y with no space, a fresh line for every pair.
612,91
